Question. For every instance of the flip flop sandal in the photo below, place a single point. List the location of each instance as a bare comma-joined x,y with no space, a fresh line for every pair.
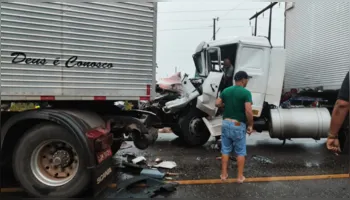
241,180
223,178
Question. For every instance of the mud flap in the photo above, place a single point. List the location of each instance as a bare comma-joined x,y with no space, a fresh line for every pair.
214,125
102,176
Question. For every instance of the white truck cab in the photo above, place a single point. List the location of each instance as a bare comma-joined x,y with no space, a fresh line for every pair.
198,118
254,55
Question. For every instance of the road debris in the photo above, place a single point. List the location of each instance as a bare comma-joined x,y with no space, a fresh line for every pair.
262,159
158,160
130,164
172,174
153,188
125,145
215,146
166,165
153,173
138,159
129,156
233,158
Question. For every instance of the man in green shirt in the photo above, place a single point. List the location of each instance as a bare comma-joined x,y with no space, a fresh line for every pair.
237,104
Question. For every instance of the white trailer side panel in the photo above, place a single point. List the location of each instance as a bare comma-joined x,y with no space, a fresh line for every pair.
317,43
117,41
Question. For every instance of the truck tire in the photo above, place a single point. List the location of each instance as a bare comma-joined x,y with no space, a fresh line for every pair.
154,133
195,132
142,141
177,131
47,161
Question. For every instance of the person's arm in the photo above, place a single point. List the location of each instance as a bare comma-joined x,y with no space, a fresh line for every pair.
249,109
341,107
219,101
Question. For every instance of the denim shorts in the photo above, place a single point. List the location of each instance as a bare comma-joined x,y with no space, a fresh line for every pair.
233,138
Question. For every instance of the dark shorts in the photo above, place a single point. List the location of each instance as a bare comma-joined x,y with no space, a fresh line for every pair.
233,138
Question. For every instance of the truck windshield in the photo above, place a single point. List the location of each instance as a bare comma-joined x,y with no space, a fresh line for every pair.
200,67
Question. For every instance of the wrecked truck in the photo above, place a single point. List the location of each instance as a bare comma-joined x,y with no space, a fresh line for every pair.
75,61
194,117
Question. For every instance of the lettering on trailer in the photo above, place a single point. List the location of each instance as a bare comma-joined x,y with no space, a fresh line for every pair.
20,57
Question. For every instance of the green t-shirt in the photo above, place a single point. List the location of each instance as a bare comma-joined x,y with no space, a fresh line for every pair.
234,98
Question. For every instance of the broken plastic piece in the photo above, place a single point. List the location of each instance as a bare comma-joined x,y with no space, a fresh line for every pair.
125,145
166,165
152,173
153,188
138,159
172,174
158,160
128,154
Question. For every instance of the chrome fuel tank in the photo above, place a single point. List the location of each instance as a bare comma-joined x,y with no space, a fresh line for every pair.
299,123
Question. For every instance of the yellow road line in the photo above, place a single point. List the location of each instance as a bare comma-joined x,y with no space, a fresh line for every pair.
219,181
263,179
257,179
11,190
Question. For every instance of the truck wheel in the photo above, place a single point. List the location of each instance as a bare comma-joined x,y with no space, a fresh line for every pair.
154,133
48,162
195,132
177,130
141,141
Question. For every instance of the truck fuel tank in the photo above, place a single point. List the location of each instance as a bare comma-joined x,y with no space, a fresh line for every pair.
299,123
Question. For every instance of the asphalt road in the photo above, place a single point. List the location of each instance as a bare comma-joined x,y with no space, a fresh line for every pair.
296,169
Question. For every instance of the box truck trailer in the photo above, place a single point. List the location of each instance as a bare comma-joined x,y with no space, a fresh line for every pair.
77,61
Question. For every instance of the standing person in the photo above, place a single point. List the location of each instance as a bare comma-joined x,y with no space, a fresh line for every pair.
237,104
228,73
340,111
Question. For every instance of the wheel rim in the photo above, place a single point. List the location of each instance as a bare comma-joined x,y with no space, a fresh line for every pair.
54,163
194,126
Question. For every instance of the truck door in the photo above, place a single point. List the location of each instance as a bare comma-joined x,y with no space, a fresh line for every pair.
255,61
206,102
210,87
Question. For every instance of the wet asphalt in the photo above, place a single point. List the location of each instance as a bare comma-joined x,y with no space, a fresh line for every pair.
266,158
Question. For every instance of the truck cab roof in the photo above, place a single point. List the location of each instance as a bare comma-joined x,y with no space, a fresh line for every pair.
251,40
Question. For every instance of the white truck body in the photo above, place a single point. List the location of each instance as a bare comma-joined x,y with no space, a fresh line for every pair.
115,45
317,43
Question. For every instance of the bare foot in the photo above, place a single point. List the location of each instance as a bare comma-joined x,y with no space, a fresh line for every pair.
241,179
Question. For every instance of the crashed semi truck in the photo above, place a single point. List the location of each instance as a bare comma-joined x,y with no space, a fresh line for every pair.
313,63
75,60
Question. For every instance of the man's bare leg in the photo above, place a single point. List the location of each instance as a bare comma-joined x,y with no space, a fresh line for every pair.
240,168
224,166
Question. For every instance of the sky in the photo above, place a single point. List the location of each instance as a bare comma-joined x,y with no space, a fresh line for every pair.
183,25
